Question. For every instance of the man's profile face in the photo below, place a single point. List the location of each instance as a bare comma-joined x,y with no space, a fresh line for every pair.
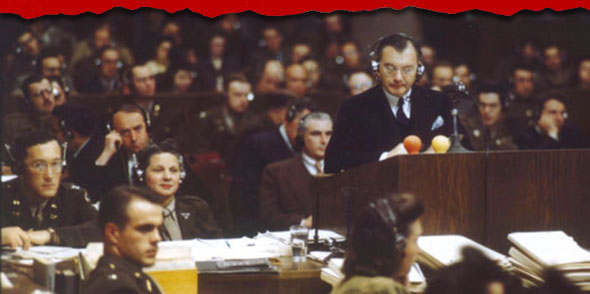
316,136
397,69
138,240
489,107
42,99
524,83
442,76
42,169
109,60
555,109
296,80
144,81
131,126
237,96
51,67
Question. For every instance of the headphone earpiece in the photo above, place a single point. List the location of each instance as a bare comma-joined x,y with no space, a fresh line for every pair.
389,218
420,70
291,113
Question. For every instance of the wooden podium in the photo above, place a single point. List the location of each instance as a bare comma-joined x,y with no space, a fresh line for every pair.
478,195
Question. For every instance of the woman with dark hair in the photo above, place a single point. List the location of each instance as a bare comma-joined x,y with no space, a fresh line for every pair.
185,217
382,246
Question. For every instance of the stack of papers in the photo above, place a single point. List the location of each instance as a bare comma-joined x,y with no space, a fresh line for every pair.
443,250
532,252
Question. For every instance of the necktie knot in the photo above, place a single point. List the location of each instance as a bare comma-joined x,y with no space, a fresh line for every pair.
400,115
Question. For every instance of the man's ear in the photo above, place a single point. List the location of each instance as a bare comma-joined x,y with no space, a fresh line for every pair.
112,233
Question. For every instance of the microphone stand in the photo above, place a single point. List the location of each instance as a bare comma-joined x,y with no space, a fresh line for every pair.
456,146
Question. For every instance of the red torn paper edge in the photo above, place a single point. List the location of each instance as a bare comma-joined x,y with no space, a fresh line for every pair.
35,8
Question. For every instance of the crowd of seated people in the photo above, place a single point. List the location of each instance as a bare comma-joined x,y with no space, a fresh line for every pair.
263,82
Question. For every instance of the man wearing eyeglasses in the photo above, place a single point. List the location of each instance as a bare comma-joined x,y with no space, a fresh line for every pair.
372,125
40,103
37,207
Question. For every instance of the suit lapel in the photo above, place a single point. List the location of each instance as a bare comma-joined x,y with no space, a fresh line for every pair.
300,181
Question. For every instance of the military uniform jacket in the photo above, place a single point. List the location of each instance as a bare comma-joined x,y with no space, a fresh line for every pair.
118,276
497,137
69,213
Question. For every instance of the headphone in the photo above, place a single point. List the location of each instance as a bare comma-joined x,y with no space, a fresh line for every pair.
18,166
98,58
552,95
377,48
383,209
139,173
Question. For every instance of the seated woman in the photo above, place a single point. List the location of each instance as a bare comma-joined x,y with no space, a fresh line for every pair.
185,217
382,247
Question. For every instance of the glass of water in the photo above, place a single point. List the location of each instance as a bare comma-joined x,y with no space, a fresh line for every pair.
299,236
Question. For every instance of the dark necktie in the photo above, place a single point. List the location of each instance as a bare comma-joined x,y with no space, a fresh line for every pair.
400,115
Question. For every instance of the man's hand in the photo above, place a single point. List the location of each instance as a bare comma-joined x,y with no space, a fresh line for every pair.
397,150
548,125
308,222
15,237
112,142
41,237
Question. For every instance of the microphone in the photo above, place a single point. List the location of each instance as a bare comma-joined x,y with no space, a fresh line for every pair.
456,88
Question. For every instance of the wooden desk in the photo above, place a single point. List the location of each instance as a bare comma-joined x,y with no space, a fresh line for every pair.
292,279
481,196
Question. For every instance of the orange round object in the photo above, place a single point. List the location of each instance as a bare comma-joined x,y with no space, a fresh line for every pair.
412,144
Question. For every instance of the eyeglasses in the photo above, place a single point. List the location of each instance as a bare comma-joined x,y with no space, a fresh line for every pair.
408,70
40,167
43,92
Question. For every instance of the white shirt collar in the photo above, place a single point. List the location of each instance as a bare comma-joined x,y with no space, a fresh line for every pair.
283,132
393,100
309,164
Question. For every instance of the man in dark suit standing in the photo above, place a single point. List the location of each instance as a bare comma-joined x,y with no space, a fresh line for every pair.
371,126
285,189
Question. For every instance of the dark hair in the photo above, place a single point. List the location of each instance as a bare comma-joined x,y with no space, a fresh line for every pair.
399,41
553,95
48,52
372,249
166,146
35,78
23,142
521,66
472,275
234,77
113,208
493,88
129,108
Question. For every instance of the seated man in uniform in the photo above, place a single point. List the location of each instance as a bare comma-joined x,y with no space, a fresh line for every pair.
40,102
130,218
487,127
38,202
285,196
